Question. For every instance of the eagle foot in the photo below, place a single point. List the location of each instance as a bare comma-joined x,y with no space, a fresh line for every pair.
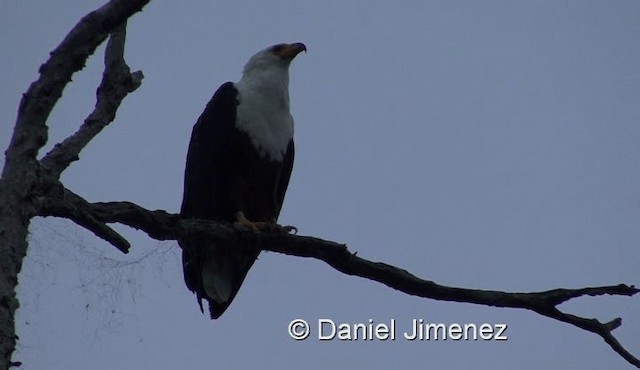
255,227
242,223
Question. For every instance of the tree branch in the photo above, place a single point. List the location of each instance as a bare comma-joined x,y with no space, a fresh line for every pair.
30,132
161,225
117,82
75,208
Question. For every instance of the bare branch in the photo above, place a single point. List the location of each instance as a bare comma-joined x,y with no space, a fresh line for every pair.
78,210
30,132
161,225
602,329
117,82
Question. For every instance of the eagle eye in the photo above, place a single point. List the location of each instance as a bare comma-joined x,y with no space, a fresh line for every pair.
277,48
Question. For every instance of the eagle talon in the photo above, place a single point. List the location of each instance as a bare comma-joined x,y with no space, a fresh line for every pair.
242,223
282,229
290,229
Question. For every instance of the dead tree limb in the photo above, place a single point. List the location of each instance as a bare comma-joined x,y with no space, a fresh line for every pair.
161,225
117,82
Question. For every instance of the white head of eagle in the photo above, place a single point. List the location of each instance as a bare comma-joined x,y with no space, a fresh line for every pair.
238,168
263,99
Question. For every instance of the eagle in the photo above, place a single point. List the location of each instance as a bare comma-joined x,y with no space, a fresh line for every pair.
237,171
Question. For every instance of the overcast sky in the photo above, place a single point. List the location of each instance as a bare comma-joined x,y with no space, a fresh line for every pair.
487,145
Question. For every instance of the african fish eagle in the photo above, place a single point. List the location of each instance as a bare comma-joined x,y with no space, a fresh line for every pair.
238,168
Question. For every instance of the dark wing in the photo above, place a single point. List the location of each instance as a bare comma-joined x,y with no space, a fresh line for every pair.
204,177
204,180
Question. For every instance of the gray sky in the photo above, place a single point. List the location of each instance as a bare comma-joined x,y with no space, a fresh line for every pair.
483,144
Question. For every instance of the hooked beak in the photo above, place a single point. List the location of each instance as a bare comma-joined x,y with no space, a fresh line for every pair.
289,51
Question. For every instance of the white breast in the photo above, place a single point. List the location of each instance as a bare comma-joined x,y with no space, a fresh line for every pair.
263,114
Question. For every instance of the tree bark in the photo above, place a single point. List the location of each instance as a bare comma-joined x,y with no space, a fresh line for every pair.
14,224
24,177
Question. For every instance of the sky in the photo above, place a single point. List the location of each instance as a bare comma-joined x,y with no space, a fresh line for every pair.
489,145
